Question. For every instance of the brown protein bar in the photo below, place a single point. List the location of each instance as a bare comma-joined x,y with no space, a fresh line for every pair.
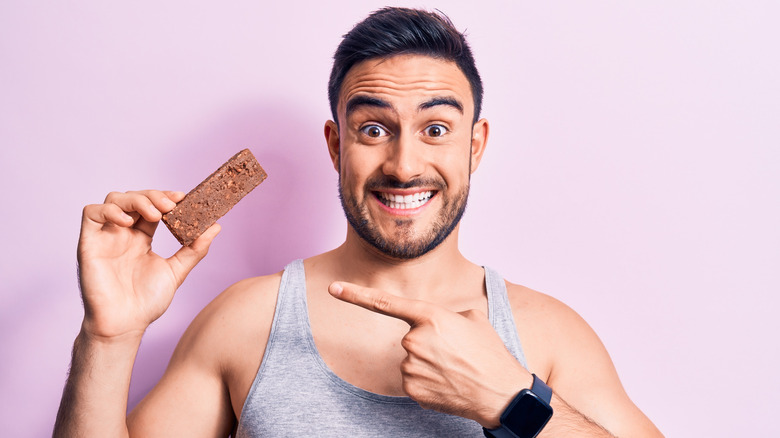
214,197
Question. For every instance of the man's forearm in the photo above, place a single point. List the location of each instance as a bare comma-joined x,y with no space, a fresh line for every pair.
567,421
94,401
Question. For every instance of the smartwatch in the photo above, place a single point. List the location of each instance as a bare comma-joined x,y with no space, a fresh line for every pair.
527,414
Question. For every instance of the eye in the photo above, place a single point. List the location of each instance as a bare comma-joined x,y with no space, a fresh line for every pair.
435,131
373,131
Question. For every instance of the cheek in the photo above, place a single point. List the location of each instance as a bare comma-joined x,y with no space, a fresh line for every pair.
355,169
455,164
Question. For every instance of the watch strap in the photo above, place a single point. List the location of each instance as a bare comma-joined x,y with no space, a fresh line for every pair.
501,432
541,389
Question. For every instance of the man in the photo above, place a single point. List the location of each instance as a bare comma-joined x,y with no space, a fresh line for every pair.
393,333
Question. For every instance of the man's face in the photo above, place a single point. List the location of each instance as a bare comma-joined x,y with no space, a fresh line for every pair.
404,151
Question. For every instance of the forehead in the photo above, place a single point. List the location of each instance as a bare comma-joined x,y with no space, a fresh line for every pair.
406,78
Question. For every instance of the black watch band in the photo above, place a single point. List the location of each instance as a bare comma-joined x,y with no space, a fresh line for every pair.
527,413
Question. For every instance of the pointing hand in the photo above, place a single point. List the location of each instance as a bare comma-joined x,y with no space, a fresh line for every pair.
456,363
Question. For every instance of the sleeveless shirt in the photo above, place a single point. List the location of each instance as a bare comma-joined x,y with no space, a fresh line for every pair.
295,394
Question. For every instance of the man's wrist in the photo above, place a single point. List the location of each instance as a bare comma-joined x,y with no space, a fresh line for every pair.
93,333
129,340
514,382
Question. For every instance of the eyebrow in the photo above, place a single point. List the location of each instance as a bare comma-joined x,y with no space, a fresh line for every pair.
358,101
436,101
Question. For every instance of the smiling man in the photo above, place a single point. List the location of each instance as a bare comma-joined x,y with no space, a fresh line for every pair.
393,333
409,147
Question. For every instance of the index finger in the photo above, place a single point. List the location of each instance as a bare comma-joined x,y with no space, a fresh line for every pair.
413,312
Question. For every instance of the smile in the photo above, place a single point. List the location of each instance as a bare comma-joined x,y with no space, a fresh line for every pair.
404,202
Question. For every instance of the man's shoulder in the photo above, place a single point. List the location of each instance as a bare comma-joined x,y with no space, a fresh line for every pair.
244,302
551,331
241,314
530,303
261,289
536,309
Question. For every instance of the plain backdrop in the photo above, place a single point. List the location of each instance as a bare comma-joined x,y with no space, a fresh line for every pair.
631,172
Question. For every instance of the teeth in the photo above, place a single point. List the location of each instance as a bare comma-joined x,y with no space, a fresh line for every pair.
405,202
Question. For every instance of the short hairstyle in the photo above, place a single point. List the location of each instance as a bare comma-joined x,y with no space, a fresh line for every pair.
395,31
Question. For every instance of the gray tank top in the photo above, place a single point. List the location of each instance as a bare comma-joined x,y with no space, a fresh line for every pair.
295,394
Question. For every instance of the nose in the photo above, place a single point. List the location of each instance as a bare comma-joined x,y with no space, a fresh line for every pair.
405,160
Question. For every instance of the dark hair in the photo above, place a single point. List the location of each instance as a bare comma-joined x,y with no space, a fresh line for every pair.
395,31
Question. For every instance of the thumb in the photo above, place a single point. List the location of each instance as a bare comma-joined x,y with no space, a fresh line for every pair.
187,257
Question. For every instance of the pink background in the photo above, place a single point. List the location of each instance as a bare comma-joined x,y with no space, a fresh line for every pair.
632,172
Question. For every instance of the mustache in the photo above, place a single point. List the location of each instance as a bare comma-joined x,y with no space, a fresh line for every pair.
389,182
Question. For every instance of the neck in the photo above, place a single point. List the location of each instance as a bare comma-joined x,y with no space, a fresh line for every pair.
431,276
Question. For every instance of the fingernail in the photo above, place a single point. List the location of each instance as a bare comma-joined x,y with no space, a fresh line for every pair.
168,203
336,289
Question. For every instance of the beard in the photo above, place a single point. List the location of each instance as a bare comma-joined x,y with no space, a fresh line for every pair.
404,244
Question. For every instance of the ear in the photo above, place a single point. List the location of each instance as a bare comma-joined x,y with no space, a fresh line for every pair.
334,143
479,138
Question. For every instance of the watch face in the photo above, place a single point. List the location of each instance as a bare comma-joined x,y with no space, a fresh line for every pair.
528,416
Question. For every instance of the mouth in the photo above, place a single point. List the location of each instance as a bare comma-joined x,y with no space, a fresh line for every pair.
404,202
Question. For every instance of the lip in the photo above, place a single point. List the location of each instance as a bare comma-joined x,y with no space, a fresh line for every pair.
427,194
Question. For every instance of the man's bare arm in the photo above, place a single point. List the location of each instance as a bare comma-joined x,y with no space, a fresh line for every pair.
97,387
125,287
208,378
588,396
